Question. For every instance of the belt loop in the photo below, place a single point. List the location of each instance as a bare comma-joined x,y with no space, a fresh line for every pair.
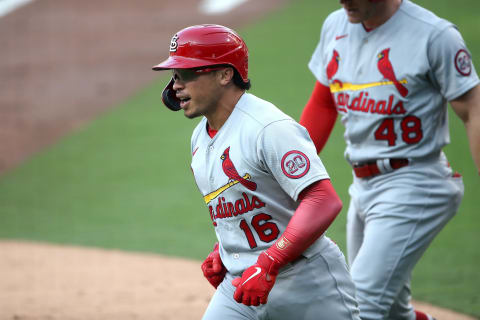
384,165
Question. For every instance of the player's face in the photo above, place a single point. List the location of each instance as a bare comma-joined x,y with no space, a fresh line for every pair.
359,10
198,91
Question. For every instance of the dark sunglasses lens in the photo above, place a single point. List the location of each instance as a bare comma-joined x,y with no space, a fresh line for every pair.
184,75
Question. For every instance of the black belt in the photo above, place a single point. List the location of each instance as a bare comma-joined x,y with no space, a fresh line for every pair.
373,168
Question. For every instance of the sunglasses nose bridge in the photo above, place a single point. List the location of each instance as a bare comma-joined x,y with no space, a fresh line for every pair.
175,76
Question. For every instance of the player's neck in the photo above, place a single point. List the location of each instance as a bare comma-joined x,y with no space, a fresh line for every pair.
383,12
225,107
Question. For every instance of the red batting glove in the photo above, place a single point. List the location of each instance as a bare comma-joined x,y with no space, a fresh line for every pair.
213,268
256,281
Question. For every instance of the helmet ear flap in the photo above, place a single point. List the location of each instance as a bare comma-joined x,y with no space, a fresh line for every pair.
169,98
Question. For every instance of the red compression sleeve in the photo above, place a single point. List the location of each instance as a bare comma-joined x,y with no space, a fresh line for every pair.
319,206
319,115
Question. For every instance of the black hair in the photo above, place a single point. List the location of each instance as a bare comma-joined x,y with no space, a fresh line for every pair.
238,81
237,78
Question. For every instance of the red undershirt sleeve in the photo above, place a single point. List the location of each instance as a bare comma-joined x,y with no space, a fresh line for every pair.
319,206
319,115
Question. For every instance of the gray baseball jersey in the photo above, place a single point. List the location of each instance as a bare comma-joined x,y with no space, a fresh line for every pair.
250,175
391,86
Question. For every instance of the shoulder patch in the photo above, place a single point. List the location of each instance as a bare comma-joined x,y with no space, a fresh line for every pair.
295,164
463,62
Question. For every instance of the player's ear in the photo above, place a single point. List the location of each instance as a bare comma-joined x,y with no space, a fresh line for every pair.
226,75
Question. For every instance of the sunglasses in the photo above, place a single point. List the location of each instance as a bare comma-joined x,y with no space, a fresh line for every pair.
186,75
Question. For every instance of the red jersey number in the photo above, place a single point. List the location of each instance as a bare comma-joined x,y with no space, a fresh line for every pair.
410,126
267,231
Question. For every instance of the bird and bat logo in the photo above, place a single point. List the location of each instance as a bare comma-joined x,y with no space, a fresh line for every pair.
384,66
233,177
232,173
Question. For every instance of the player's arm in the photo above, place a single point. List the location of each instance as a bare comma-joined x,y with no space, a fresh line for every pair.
319,115
319,206
467,107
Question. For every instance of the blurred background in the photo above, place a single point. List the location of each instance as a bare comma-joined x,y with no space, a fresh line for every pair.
89,156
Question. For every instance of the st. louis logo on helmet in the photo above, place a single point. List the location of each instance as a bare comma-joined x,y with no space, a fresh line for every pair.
173,43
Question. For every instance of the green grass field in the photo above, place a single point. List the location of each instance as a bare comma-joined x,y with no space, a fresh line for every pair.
124,180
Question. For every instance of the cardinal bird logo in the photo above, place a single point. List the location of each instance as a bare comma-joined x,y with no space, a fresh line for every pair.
332,66
386,69
232,173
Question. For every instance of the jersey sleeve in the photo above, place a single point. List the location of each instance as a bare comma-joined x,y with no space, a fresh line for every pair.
452,69
287,152
317,65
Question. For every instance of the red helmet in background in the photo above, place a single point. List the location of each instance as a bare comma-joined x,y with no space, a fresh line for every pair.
203,46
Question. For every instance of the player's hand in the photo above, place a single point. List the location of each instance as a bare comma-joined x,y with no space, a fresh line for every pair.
213,268
256,281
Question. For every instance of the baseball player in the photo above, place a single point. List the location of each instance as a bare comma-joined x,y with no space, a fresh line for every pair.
267,193
388,68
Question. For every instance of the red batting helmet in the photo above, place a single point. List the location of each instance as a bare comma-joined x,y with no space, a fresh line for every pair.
203,46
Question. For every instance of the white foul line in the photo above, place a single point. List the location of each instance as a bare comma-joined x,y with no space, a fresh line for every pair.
219,6
7,6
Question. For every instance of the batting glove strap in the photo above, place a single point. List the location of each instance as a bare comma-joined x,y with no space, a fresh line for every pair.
269,263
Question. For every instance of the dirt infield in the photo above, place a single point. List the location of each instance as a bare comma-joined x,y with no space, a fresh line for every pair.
47,282
72,283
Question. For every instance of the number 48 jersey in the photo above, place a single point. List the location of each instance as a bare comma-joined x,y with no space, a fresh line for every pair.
391,84
250,175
